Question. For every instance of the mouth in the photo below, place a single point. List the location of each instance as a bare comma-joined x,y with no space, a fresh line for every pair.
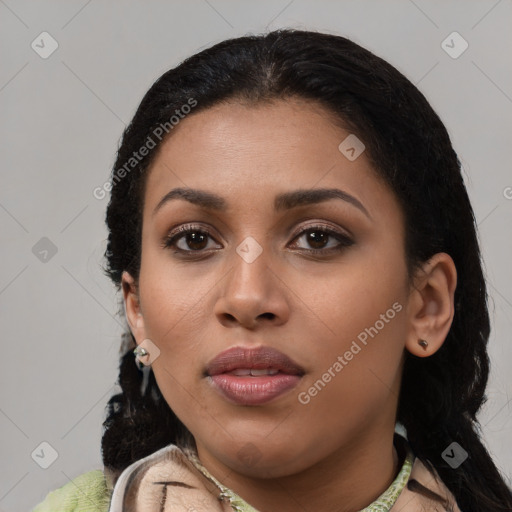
252,376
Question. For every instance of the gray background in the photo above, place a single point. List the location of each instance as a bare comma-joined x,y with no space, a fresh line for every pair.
61,122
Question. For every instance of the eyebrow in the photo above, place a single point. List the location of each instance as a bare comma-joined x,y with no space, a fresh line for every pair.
284,201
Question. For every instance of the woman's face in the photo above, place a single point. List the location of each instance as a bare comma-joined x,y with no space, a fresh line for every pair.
267,263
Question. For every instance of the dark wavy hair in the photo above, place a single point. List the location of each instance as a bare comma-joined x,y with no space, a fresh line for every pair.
409,147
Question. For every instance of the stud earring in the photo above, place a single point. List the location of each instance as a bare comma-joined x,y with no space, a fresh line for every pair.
423,343
139,353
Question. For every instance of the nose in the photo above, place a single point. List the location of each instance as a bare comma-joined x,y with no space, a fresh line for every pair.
252,295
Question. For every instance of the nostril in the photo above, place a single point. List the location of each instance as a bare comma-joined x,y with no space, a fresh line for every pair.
270,316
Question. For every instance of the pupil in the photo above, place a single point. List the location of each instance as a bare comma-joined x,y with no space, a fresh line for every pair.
317,239
196,240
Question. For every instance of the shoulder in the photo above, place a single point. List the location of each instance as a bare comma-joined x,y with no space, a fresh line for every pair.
87,492
411,501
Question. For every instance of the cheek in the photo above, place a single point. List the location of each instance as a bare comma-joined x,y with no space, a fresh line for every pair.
177,307
354,384
355,300
356,363
174,306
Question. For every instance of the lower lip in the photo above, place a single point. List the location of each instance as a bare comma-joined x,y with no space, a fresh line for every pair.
248,390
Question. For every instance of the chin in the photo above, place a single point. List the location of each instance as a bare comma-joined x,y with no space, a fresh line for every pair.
254,461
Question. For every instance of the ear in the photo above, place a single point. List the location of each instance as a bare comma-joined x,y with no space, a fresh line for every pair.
431,305
132,307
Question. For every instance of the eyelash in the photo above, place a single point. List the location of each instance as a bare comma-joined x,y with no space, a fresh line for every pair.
171,240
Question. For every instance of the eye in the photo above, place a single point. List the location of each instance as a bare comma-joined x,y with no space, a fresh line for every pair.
190,239
322,240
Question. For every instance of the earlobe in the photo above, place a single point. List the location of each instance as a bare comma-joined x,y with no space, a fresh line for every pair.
431,306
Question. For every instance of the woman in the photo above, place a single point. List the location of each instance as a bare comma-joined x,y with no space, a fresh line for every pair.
303,287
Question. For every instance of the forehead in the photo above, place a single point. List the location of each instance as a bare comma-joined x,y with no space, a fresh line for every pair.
255,151
252,138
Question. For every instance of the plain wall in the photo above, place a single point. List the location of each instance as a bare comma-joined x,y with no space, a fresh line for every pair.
61,120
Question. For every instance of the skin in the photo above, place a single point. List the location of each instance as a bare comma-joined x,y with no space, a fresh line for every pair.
335,452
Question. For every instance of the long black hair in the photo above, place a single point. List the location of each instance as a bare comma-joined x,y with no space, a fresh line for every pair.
410,149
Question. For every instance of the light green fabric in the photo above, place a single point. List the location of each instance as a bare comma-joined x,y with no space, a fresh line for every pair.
86,493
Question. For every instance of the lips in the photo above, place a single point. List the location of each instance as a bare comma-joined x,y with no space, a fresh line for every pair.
261,358
252,376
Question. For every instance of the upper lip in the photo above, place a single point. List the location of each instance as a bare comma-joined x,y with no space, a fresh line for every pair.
258,358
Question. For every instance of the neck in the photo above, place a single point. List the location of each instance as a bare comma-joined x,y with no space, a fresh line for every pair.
348,480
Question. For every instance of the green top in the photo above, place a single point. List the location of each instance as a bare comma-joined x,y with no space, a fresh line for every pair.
86,493
89,492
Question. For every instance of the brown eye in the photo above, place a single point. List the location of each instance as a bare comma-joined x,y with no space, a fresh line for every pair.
321,240
317,239
196,240
190,239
